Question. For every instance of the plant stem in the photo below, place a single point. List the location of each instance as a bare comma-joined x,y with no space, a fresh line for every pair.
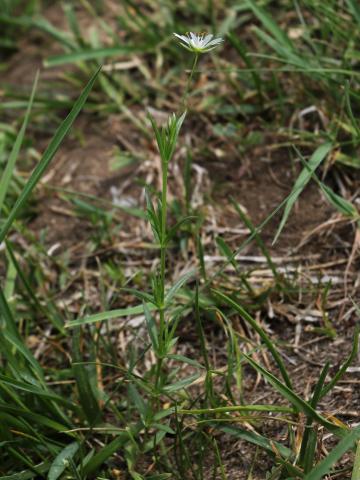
162,266
164,166
188,84
163,229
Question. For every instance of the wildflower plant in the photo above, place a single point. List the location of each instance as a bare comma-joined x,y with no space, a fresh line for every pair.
166,139
162,337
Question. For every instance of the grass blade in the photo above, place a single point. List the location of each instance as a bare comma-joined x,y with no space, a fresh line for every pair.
7,174
50,312
258,239
48,155
342,447
271,25
356,469
118,443
345,207
308,443
87,396
256,439
345,365
302,180
354,9
59,464
100,317
293,398
270,345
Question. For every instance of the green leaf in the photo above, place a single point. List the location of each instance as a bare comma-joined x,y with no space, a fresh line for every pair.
356,469
354,9
183,359
177,285
106,452
302,180
256,439
325,466
172,231
270,345
185,382
100,317
352,161
226,250
152,328
345,365
60,463
152,216
50,311
309,439
28,474
7,320
166,136
138,401
145,297
34,389
87,396
42,24
257,237
18,345
271,25
8,171
341,204
293,398
35,418
236,408
48,156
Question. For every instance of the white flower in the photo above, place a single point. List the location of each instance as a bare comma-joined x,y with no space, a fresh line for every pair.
198,43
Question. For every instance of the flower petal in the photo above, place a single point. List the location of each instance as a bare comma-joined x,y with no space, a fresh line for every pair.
207,39
216,41
183,38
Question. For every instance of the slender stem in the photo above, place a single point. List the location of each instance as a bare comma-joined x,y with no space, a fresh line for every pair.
157,378
162,265
164,165
188,84
163,228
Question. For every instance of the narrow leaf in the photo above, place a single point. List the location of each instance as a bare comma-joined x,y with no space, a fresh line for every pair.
87,396
297,401
302,180
61,461
177,285
345,365
48,156
8,171
270,345
100,317
325,466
